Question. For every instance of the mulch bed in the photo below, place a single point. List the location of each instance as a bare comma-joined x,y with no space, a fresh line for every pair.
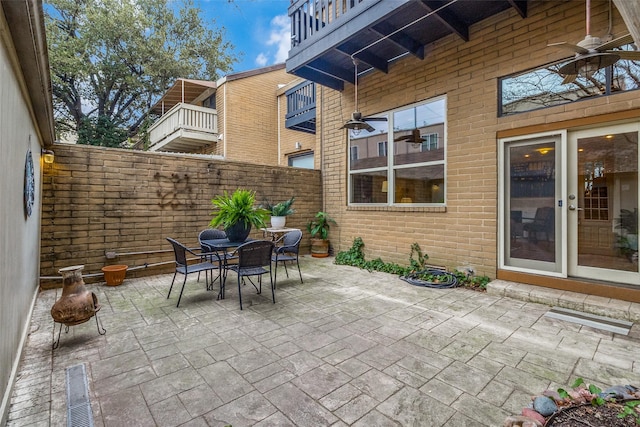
588,415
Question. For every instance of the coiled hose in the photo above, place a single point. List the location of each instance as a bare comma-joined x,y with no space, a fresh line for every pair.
439,279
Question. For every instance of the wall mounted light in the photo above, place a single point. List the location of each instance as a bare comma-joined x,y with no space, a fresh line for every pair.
298,145
48,156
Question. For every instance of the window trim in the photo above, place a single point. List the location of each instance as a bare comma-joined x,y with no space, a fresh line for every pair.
390,168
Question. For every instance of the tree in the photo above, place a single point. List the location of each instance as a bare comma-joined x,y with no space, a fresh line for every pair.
112,59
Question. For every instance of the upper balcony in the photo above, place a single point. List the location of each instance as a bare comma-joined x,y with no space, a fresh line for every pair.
185,128
301,107
328,35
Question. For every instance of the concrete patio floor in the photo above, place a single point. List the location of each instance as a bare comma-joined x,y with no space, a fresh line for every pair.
347,347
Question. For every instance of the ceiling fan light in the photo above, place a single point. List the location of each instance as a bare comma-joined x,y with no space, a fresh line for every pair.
587,65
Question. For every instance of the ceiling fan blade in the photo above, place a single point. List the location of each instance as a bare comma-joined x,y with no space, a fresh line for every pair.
620,41
569,78
375,119
572,47
633,55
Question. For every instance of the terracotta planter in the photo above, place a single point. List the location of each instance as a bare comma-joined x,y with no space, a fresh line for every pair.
319,248
114,274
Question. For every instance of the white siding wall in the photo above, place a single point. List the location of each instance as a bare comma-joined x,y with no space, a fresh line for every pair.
19,235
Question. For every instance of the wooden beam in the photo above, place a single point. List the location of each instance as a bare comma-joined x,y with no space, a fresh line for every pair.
365,56
447,18
401,39
520,6
320,78
568,124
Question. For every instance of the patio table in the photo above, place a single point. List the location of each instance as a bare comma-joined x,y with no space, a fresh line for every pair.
219,248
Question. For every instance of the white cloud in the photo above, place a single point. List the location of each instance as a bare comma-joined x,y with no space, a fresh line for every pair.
261,60
280,38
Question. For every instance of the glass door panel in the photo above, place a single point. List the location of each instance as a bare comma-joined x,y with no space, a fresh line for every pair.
603,204
531,212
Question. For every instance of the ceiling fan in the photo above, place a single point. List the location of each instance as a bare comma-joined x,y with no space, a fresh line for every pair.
592,54
357,122
413,138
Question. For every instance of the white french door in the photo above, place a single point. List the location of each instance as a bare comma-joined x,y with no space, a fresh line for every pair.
602,203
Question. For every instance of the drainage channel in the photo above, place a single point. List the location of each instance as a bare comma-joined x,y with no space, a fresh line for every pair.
617,326
78,407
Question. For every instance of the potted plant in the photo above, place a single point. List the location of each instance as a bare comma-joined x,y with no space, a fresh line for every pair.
279,212
237,213
319,230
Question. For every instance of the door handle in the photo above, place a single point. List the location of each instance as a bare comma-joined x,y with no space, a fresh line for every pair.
574,208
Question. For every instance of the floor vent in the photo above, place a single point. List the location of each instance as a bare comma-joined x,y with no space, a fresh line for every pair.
78,407
617,326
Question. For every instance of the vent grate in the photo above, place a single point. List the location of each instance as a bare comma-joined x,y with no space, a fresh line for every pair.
78,407
617,326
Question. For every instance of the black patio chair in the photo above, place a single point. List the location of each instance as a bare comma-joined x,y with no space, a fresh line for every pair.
543,222
207,254
254,259
185,269
286,249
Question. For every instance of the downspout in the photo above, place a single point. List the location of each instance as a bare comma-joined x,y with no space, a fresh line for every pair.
279,147
224,122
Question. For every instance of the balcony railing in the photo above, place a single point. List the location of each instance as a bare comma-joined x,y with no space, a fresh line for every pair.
184,128
311,16
301,107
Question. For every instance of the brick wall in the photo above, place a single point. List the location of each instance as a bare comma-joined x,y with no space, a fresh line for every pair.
97,200
467,73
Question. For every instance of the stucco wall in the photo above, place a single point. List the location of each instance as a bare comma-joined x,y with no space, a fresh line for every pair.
465,232
99,200
19,236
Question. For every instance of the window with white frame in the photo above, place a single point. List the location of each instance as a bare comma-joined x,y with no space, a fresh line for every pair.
409,166
382,148
430,142
354,153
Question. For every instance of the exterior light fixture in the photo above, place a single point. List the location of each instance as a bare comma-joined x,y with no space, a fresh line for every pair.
48,156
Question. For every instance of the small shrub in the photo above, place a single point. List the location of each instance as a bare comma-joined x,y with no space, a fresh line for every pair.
418,267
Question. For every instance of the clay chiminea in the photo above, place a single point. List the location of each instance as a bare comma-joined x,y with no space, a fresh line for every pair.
77,304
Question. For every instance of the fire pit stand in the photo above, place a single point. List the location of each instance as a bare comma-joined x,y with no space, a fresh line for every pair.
76,305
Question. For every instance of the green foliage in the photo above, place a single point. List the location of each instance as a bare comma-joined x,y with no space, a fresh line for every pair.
100,131
319,227
630,409
114,58
421,261
281,209
230,210
354,256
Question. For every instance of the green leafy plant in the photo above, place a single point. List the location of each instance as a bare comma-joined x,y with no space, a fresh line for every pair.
237,207
281,209
319,227
354,256
597,398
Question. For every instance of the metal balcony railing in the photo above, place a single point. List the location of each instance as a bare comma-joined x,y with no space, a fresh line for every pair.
309,17
301,107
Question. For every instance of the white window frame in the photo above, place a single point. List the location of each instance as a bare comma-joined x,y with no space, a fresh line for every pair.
390,168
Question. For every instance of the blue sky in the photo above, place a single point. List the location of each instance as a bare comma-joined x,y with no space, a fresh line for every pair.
258,29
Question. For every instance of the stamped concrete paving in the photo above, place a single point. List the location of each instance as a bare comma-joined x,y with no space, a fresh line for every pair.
347,347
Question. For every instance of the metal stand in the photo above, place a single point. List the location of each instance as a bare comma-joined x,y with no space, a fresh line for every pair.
101,329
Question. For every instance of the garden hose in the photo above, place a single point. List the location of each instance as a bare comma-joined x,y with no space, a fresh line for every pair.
436,278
